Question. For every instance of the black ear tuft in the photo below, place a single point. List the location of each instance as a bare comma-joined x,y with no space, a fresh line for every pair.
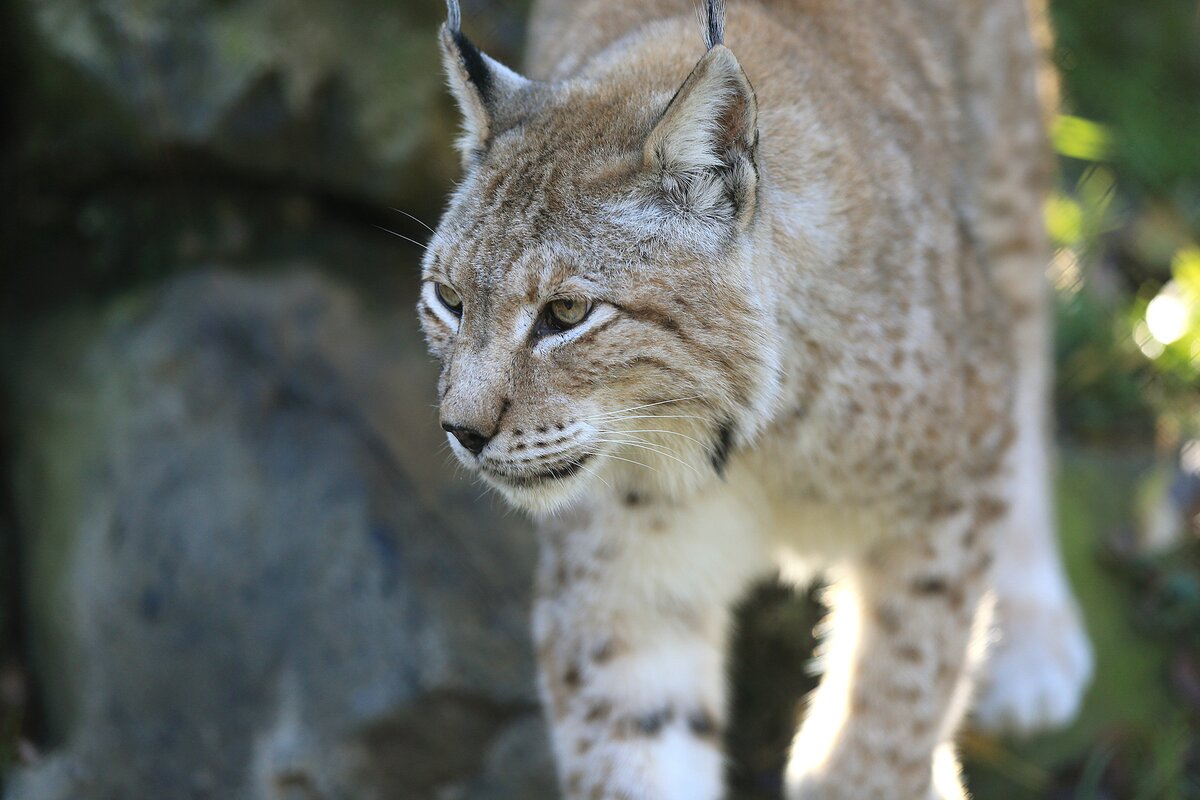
712,23
485,89
472,60
476,68
453,16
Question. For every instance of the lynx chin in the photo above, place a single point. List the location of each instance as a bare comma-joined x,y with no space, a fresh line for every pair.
764,297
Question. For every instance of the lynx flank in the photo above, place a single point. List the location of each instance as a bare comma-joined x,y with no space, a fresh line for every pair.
709,316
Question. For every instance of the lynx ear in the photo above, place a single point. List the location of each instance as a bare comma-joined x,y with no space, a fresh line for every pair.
703,147
481,85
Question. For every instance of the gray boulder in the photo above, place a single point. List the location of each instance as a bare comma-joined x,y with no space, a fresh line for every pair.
348,96
251,570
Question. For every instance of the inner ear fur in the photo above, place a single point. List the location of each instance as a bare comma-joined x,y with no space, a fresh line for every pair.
703,147
712,118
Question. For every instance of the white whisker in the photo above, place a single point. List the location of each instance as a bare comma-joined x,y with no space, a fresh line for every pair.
602,454
636,442
652,449
595,475
654,416
647,405
402,236
414,219
655,430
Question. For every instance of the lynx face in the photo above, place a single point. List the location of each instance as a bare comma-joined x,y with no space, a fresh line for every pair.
588,292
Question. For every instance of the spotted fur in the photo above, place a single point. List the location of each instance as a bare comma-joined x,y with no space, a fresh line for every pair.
816,340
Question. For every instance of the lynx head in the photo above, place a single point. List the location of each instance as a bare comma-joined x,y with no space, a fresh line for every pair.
589,291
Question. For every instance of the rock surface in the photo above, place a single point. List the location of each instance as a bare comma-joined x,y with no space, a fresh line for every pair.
348,97
251,577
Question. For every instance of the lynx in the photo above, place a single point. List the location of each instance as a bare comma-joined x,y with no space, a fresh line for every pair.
712,317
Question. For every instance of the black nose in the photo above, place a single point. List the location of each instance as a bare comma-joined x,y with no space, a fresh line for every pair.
469,438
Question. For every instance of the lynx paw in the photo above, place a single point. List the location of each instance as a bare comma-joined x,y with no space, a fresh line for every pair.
1037,672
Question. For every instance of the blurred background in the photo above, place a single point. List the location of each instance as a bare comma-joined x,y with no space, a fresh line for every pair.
230,566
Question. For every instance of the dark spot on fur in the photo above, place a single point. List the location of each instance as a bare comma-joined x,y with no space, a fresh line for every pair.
888,618
702,724
571,677
722,446
983,565
505,405
945,508
930,585
651,724
970,538
604,652
574,782
634,499
990,510
597,711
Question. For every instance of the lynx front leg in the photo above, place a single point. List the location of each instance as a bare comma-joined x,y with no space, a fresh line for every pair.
631,628
881,722
1041,663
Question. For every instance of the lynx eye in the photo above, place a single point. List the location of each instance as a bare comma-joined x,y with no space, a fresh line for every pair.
449,297
562,314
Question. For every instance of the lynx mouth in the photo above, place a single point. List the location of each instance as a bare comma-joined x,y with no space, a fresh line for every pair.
557,472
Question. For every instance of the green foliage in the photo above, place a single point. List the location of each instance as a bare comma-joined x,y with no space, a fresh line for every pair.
1076,137
1127,217
1135,66
1128,318
1101,374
